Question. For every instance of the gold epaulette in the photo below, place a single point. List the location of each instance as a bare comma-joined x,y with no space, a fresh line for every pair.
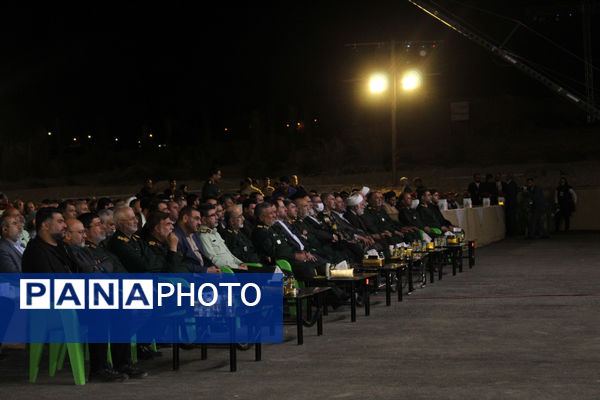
261,226
135,237
152,243
229,230
123,238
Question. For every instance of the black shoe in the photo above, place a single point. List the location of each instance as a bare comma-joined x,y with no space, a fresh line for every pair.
133,372
146,353
107,375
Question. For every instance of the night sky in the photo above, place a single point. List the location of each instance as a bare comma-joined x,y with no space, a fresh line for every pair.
115,69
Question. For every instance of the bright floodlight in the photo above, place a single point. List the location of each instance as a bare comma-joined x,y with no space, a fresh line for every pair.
411,80
378,83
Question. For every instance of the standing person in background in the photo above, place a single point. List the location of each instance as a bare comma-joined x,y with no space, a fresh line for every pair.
500,187
510,205
475,189
211,187
537,213
146,190
565,200
488,189
172,189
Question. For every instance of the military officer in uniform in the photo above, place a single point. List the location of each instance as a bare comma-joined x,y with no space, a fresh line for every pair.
211,187
95,234
314,240
341,226
212,242
271,246
237,242
379,222
131,250
162,243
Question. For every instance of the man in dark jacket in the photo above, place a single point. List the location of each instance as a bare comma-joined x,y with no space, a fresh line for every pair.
189,244
537,203
47,253
475,190
427,214
408,216
11,248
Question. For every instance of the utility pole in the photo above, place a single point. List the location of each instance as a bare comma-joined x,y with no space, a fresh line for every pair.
587,56
394,74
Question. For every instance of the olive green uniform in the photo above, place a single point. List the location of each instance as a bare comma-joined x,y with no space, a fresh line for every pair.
271,247
172,261
240,246
108,261
136,256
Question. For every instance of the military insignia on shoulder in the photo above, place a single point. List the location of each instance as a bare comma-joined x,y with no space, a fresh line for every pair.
152,243
229,230
123,238
260,226
204,230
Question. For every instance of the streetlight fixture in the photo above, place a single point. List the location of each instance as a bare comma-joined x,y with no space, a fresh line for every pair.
411,80
378,83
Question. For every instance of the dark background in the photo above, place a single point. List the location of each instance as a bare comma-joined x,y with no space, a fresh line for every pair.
218,86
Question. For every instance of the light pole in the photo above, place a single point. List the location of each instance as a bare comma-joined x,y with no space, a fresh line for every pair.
378,83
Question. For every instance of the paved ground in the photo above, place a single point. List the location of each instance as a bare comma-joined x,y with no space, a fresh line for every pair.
530,329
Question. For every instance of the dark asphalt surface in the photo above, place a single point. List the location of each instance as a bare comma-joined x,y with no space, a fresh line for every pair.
524,323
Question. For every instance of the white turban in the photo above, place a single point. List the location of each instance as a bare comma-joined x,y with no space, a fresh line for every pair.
365,191
354,200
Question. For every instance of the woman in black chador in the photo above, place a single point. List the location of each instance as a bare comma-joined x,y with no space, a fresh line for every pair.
565,199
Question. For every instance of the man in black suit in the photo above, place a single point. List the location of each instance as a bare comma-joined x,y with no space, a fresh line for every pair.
537,203
475,190
510,205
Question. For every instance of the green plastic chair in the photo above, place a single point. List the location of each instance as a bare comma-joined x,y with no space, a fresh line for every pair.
75,349
284,265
